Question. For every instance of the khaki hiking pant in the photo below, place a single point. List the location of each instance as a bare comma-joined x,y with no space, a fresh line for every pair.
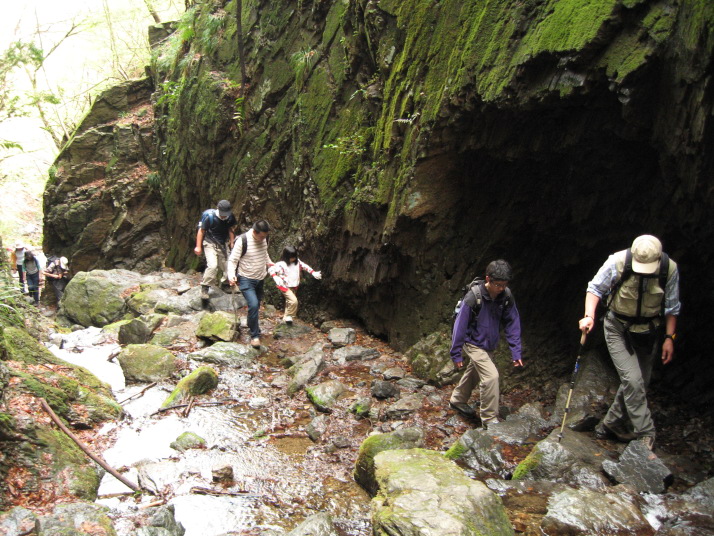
482,370
291,302
215,260
634,367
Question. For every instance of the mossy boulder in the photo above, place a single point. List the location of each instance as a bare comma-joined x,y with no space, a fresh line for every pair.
200,381
430,360
405,438
97,298
325,394
422,492
167,337
226,353
77,519
218,326
188,440
361,406
135,331
146,363
309,364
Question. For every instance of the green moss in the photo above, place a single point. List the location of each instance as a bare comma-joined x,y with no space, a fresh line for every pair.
200,381
456,451
527,466
315,399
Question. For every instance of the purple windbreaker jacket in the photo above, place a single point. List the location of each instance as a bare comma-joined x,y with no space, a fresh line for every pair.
484,332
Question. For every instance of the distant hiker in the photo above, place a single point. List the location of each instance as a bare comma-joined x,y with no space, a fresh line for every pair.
476,333
641,285
286,274
251,260
33,268
215,237
17,258
57,272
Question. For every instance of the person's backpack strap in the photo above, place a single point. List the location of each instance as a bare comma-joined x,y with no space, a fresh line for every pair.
472,298
244,245
663,276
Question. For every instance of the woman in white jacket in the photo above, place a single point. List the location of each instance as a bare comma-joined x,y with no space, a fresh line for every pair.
286,274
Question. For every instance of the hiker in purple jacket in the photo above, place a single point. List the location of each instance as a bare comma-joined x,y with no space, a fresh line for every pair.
476,333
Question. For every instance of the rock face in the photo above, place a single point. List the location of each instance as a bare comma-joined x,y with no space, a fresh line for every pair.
421,492
102,206
390,153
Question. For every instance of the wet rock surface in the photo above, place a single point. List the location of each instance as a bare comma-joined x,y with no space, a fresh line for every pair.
639,468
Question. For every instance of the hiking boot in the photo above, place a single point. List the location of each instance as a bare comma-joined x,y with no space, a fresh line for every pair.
255,343
615,431
487,423
648,441
464,409
288,319
204,292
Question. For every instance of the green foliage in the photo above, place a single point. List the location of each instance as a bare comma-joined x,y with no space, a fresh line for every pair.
166,56
354,144
239,113
211,32
154,181
170,92
301,62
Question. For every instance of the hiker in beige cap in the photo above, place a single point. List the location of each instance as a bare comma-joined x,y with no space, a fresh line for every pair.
641,288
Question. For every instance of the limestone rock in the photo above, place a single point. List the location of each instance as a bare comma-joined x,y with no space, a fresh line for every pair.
290,331
394,373
381,389
575,460
520,427
146,363
639,468
478,450
340,337
583,511
430,360
200,381
163,523
405,438
135,331
226,353
77,518
403,408
421,492
96,298
317,427
355,353
315,525
411,383
219,326
325,394
309,364
17,521
188,440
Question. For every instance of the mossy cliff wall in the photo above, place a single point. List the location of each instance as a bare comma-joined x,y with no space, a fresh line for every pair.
404,144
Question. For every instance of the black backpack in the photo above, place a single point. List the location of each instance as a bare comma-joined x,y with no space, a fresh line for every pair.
472,297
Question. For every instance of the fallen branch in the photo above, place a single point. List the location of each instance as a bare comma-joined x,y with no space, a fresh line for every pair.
152,504
81,445
190,406
208,491
114,354
198,405
140,393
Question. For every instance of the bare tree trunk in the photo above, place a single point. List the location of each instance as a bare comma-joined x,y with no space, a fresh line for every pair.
152,10
239,38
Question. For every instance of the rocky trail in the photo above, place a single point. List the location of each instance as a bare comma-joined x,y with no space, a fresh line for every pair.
307,434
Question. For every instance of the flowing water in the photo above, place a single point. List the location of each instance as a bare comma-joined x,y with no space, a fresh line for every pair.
278,478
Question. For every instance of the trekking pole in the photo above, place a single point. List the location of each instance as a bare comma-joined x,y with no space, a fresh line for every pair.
572,384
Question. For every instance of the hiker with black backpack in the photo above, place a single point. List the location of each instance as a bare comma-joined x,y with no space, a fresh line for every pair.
215,238
57,272
640,286
487,305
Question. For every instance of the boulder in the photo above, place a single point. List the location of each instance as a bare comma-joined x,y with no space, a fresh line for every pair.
586,512
361,406
325,394
520,427
411,383
226,353
219,326
394,373
76,518
162,523
188,440
96,298
317,427
200,381
481,453
135,331
405,438
315,525
143,301
430,360
423,493
290,331
17,521
381,389
223,475
309,364
170,337
576,460
354,353
640,469
146,363
340,337
403,408
594,390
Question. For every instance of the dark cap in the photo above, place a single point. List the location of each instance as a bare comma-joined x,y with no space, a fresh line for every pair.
224,208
